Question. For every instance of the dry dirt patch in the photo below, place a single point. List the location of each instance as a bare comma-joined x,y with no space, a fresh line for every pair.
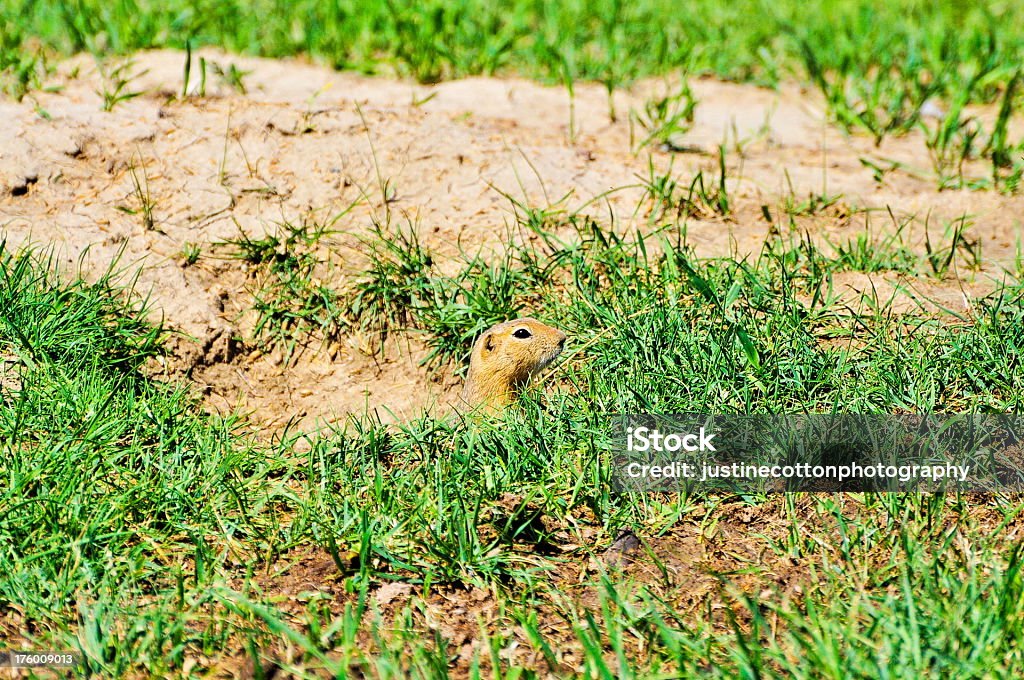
306,143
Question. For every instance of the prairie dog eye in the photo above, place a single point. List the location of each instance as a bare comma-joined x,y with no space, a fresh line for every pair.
522,333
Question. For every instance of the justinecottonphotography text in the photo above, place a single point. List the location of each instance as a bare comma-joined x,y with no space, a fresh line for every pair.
839,473
870,452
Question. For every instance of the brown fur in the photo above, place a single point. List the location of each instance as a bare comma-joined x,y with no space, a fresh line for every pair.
502,364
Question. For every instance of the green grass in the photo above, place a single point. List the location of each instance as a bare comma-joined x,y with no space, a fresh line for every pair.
290,302
149,535
878,66
607,41
134,527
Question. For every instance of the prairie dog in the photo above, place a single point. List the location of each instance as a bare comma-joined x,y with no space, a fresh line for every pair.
504,359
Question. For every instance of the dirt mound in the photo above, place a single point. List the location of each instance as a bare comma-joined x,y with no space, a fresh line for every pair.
159,177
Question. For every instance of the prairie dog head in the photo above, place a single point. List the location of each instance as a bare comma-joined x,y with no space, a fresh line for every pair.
506,356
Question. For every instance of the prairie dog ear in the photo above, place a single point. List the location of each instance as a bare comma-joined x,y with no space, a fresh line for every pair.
488,345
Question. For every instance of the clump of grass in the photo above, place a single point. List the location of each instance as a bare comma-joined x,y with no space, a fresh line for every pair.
660,191
105,324
941,259
700,199
815,203
863,253
231,75
114,481
882,97
22,71
704,199
479,296
396,280
664,120
190,253
291,300
400,290
116,79
427,32
955,139
144,203
880,168
959,138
